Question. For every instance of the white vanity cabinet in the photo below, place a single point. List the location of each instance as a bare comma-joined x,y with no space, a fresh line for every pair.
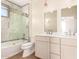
42,47
68,49
55,48
47,47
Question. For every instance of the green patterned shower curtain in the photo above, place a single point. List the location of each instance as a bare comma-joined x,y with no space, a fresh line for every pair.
18,25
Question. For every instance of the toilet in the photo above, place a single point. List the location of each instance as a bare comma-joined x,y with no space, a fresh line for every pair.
28,49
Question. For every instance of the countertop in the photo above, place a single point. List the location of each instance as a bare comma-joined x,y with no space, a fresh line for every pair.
59,36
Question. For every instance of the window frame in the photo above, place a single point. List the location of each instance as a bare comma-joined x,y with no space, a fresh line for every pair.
8,9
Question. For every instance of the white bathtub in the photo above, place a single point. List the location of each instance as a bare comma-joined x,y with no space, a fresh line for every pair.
11,48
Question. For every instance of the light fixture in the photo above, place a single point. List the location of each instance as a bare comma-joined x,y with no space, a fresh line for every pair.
45,4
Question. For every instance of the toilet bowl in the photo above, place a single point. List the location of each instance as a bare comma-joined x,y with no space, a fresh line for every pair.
28,49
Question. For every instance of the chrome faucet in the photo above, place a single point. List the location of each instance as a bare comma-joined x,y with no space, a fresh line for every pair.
49,33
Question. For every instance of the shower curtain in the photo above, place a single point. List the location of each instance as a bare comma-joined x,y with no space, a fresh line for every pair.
18,25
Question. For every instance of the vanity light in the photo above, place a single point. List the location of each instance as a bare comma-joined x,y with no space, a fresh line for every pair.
45,4
69,6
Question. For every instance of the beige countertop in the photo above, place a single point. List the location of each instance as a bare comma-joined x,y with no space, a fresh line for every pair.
59,36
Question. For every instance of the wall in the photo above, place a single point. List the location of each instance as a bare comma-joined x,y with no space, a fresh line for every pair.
25,9
37,22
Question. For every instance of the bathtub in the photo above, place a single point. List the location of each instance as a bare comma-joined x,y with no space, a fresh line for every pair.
11,48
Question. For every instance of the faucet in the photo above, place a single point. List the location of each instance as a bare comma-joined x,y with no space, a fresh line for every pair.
49,33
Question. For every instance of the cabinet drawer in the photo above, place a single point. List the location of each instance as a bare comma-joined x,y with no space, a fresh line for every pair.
55,40
70,42
53,56
42,38
55,48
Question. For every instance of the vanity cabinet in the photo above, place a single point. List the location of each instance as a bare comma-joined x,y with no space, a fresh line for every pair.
47,47
68,49
42,47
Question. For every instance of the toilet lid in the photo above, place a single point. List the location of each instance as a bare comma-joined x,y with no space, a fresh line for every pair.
27,44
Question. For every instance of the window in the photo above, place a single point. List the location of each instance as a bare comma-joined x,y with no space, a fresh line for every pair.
4,11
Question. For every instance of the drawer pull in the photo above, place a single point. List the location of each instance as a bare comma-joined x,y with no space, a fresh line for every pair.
55,54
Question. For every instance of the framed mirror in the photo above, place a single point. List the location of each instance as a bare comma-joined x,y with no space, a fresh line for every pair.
69,19
50,21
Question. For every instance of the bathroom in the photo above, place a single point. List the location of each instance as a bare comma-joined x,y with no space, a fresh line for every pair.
38,29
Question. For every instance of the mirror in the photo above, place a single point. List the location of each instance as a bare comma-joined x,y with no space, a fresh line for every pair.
69,19
50,21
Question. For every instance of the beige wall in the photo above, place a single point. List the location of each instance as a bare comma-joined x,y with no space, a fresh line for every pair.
37,21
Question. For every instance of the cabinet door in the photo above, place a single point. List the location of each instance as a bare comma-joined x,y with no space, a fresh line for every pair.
68,52
42,49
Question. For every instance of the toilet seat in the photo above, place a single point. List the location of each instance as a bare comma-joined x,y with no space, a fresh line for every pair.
26,45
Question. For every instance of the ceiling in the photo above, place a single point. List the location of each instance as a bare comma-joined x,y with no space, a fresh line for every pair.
20,2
